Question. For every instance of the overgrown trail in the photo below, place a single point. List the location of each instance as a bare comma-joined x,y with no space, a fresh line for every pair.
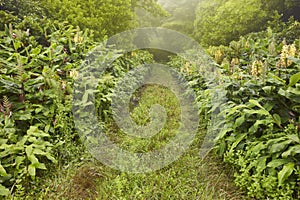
188,178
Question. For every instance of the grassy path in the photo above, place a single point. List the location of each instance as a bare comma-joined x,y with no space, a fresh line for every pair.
188,178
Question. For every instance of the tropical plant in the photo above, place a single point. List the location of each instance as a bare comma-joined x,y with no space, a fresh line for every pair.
260,137
36,100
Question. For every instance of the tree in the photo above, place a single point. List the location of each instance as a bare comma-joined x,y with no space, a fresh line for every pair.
182,15
21,7
221,21
150,6
104,17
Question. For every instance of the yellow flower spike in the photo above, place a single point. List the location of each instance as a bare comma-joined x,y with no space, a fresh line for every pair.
272,48
73,74
235,61
78,38
293,50
283,56
133,53
219,56
257,68
288,51
254,69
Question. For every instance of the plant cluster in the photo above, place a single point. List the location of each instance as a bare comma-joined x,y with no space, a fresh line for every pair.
36,126
38,69
260,135
257,118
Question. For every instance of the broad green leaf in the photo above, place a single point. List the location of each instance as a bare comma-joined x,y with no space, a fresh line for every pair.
292,151
294,137
279,146
284,174
277,162
50,157
239,121
7,31
291,93
261,164
17,44
40,166
276,140
19,160
237,141
11,86
222,147
34,131
35,51
235,109
31,170
4,191
277,119
268,89
275,79
21,115
255,126
3,141
39,109
259,112
47,128
32,139
294,79
2,171
31,157
38,151
257,148
223,133
28,150
256,103
85,97
295,60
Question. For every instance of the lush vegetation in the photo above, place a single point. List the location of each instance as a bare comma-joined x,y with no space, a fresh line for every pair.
36,89
256,50
261,116
215,19
258,123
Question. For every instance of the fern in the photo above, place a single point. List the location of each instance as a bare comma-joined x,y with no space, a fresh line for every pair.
6,108
20,71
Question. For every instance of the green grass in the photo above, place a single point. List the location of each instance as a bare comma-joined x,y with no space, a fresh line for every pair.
140,114
190,177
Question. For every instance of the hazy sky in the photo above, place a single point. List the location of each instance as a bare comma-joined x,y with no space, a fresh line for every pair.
176,3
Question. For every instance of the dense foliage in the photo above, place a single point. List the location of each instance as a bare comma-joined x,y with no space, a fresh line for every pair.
261,135
37,76
219,22
259,117
43,44
104,17
36,87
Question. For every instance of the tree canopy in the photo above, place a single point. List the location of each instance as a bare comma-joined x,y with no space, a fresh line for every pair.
221,21
104,17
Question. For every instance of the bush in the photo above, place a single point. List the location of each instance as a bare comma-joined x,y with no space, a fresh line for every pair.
258,123
36,100
261,137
